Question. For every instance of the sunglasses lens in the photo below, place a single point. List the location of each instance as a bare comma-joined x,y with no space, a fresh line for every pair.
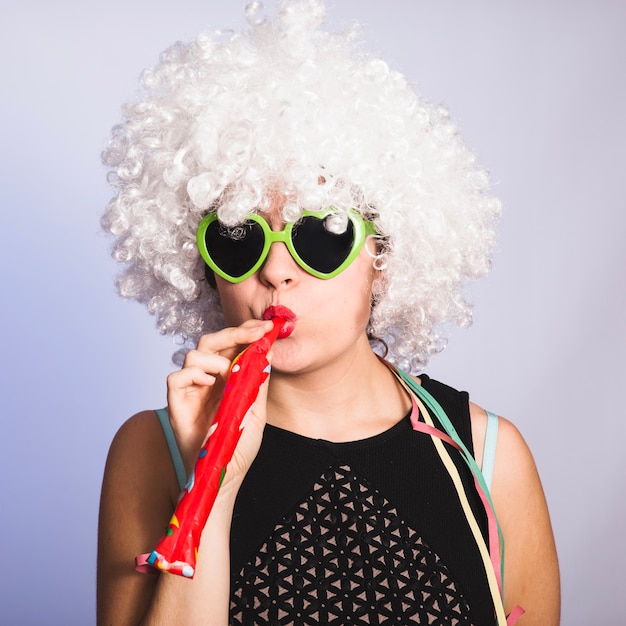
320,248
234,250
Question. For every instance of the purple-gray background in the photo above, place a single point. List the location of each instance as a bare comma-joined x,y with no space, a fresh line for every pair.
538,89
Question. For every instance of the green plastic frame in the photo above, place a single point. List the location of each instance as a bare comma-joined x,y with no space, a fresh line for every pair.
362,228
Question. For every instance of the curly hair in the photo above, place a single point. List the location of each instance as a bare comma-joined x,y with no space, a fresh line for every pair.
227,116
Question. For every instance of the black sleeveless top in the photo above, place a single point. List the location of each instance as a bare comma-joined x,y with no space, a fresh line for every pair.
367,532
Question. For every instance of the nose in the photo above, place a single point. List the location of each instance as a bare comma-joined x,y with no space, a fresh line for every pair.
279,269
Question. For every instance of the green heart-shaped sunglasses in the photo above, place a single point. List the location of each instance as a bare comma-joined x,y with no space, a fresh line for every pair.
235,253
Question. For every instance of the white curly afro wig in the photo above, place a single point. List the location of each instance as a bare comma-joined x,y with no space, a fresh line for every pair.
226,117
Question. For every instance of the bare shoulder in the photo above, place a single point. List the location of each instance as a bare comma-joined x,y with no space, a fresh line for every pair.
510,446
139,491
139,445
139,464
139,476
531,565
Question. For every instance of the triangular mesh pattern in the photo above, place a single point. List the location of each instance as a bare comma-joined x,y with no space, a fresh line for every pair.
343,556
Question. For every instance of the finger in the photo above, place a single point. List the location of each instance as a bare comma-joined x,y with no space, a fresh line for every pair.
188,377
229,341
210,362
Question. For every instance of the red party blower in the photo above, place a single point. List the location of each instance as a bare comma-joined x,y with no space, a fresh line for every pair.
177,551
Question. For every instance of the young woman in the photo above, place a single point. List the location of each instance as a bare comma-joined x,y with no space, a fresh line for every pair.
286,173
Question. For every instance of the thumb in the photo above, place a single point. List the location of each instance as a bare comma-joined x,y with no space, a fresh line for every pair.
257,415
252,435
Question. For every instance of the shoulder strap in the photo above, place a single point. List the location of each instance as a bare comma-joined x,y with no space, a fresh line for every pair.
177,460
141,561
493,557
489,450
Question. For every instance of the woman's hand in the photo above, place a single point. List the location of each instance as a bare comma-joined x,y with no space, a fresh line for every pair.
194,393
140,491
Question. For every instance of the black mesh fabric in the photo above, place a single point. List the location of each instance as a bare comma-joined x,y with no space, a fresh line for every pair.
344,556
367,532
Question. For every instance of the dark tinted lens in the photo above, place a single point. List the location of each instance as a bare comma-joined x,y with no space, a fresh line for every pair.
323,250
234,249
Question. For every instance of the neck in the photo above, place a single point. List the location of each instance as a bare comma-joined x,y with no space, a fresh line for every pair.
352,398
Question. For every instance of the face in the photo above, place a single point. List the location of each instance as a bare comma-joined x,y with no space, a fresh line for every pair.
331,315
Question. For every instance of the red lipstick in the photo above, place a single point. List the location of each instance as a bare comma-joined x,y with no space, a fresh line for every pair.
287,314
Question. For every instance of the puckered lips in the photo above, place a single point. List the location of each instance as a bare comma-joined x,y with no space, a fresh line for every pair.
287,314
